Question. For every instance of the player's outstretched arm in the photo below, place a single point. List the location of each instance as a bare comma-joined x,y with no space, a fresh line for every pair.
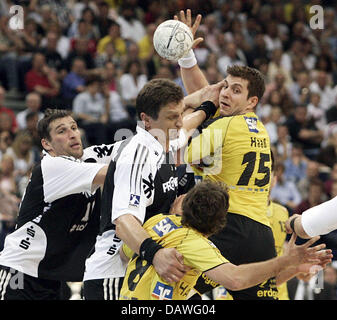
318,220
168,262
193,78
248,275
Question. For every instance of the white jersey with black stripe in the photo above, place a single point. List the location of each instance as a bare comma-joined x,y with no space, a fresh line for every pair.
141,181
58,220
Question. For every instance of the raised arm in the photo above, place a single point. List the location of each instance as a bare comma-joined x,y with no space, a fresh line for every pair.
192,76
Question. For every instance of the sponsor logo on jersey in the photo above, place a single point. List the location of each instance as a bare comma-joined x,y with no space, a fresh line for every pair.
252,124
164,226
134,200
170,185
148,186
103,150
162,291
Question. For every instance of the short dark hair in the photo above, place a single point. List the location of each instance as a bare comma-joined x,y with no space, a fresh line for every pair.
256,83
205,207
156,94
49,116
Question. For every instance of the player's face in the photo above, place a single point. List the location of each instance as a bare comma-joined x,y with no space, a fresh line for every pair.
168,123
65,138
233,98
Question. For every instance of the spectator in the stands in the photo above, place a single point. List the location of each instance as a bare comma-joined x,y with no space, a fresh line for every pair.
22,153
80,50
53,58
327,155
91,110
322,85
303,131
85,31
103,19
108,55
316,111
74,82
33,104
114,36
285,192
8,113
131,27
43,80
10,46
131,82
296,164
312,173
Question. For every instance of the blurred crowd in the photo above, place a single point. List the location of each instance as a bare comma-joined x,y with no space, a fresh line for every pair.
94,56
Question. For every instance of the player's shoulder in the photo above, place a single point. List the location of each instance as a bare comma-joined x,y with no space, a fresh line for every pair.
136,149
166,218
96,153
54,162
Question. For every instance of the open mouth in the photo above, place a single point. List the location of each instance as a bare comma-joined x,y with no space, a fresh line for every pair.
225,105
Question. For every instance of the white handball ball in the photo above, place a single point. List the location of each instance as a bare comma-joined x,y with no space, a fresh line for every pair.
172,39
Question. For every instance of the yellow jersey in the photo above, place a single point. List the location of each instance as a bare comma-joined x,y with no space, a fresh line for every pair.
119,44
278,215
236,151
142,281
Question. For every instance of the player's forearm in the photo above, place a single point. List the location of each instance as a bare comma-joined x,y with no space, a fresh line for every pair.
285,275
129,229
252,274
245,276
192,121
193,79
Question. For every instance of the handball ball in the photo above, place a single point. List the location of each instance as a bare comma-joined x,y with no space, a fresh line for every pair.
172,39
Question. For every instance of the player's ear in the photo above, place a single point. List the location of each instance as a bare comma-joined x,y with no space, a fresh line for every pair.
46,145
253,101
146,120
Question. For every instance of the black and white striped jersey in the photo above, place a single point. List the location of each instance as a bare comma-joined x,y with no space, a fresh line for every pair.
58,219
141,181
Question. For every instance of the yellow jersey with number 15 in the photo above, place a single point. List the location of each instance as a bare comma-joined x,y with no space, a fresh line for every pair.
236,151
141,281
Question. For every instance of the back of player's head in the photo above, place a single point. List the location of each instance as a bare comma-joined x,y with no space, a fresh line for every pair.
256,83
49,116
205,207
156,94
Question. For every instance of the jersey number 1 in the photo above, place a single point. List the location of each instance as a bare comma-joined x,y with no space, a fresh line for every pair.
250,159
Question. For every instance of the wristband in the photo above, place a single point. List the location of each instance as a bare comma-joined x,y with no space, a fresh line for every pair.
148,249
208,107
188,61
292,224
